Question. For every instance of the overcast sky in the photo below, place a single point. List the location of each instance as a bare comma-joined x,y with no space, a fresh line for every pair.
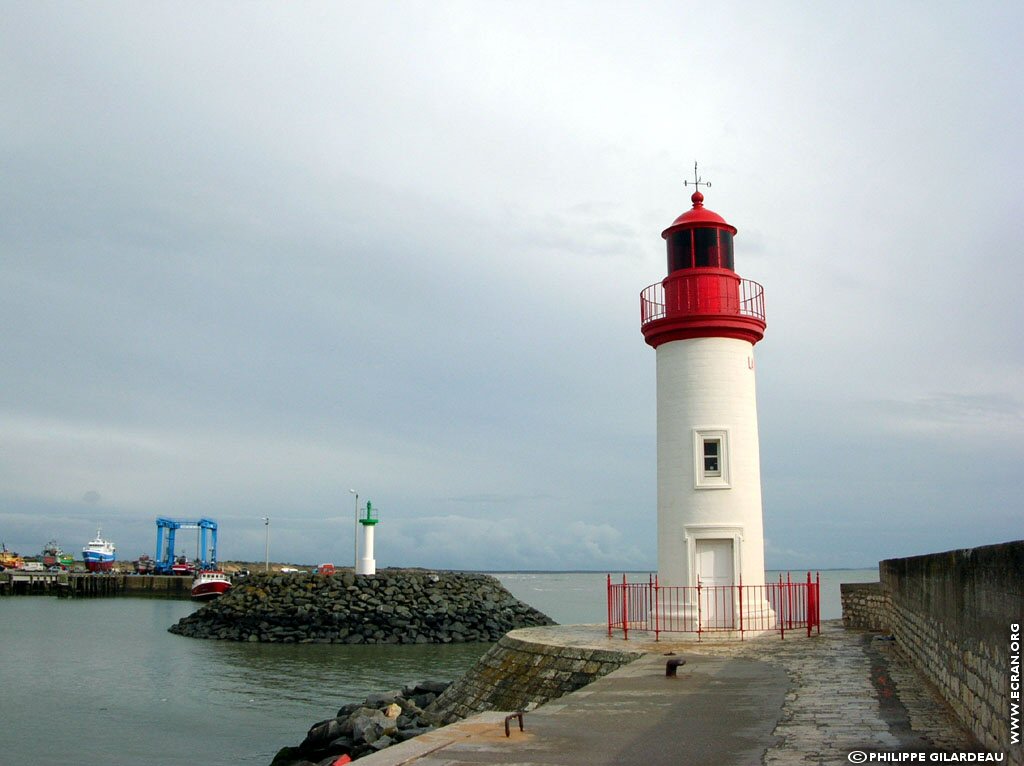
255,255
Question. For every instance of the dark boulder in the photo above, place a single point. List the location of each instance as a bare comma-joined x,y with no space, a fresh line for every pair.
378,722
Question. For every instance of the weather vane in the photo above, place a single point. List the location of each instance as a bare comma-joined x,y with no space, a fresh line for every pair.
697,179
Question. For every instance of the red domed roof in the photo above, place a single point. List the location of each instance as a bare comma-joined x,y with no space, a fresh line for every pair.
698,217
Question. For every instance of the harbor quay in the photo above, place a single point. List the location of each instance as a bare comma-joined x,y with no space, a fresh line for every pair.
76,584
842,696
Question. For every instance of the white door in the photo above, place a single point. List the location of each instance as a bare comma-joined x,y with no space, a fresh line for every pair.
715,569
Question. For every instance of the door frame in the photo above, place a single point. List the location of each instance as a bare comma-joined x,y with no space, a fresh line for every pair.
694,532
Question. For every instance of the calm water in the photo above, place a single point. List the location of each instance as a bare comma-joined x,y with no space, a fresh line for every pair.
102,681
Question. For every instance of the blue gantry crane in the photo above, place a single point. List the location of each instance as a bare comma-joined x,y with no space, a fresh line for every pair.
165,553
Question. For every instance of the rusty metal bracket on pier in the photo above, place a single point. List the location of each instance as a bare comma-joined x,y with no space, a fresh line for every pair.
673,665
508,718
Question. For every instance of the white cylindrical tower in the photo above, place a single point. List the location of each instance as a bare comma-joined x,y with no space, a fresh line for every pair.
367,564
703,321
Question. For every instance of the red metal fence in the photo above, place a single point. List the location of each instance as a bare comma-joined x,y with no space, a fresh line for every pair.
781,606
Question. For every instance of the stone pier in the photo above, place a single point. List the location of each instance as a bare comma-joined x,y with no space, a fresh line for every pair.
763,700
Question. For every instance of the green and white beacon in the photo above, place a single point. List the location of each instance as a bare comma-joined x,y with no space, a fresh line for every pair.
367,564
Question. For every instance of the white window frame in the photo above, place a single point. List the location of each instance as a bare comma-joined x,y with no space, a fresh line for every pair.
711,479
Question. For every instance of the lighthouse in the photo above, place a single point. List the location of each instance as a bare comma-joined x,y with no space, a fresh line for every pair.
367,564
703,321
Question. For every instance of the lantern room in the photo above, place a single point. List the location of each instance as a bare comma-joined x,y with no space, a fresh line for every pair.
699,238
702,296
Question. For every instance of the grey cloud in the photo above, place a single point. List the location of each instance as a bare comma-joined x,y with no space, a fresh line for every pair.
246,267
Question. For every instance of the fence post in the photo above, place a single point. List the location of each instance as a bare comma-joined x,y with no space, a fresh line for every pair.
647,602
741,607
609,594
810,604
817,602
625,610
782,606
700,610
789,599
657,615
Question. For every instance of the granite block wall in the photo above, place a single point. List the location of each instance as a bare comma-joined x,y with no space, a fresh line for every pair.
518,674
865,605
957,615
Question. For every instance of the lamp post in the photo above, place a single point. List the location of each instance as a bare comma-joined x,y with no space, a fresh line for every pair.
355,535
266,553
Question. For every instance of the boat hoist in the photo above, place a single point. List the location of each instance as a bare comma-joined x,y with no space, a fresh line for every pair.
165,553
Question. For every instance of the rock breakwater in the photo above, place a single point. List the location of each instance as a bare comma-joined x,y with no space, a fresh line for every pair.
394,606
366,727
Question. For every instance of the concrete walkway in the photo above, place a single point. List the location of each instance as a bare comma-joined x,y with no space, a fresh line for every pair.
758,701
